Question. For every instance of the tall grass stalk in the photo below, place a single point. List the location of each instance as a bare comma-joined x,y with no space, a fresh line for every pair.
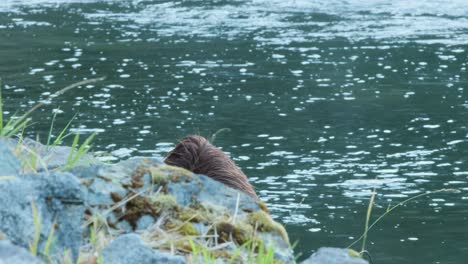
390,209
368,215
57,94
62,134
13,126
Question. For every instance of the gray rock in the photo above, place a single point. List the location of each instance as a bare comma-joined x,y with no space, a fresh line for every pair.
62,197
131,249
9,164
124,226
328,255
204,189
122,172
187,190
58,197
145,222
10,254
103,180
16,219
100,192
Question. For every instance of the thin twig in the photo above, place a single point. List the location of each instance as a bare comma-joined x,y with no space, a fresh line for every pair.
213,137
5,178
400,204
237,208
220,246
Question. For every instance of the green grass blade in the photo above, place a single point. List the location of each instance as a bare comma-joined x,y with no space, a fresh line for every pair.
33,161
100,259
10,131
16,125
61,136
50,239
51,129
260,254
269,257
234,255
9,123
6,127
83,149
194,249
73,148
37,229
20,139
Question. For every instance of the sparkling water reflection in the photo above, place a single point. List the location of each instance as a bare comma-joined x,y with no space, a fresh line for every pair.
325,100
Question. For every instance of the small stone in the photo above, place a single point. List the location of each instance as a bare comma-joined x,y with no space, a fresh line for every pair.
328,255
10,254
130,248
145,222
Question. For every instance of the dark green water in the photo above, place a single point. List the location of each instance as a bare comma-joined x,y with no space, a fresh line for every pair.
325,100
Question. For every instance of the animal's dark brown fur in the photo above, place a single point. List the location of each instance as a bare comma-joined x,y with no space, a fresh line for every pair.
196,154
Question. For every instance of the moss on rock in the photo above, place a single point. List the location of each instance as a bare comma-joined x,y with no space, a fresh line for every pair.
164,174
265,223
163,202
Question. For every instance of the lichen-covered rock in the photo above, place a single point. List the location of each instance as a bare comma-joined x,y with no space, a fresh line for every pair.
131,249
135,211
11,254
172,208
328,255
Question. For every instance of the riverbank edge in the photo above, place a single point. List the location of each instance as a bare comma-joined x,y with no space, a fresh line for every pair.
135,211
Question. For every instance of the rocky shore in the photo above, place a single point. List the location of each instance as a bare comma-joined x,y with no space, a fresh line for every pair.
135,211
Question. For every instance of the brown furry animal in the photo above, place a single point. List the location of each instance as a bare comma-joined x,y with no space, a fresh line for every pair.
196,154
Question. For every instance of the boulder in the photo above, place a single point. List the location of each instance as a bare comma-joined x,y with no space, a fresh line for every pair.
134,211
329,255
167,206
60,202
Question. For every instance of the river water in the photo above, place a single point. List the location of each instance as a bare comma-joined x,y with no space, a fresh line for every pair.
324,101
